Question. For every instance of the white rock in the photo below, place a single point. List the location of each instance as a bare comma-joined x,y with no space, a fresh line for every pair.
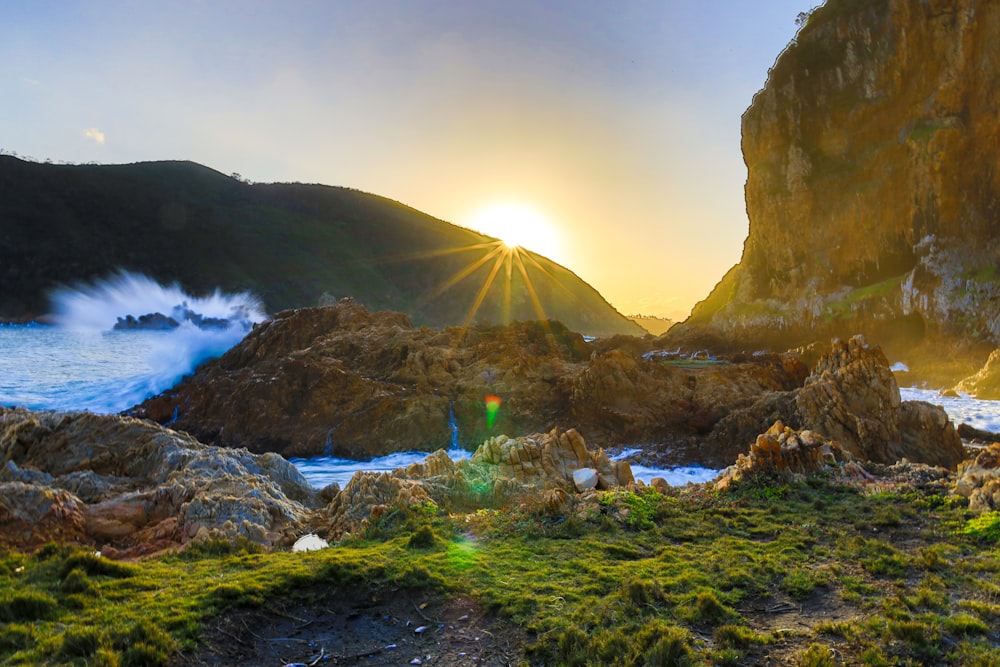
310,542
585,479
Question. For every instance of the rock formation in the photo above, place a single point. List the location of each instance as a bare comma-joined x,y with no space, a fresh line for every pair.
781,451
851,397
985,383
130,488
539,468
872,190
979,480
343,381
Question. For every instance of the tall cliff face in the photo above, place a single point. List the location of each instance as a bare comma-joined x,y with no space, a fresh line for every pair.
873,187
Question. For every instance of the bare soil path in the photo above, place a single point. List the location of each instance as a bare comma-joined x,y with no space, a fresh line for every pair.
357,626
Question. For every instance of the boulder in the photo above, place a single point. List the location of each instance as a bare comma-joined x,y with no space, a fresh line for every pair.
978,480
131,487
585,479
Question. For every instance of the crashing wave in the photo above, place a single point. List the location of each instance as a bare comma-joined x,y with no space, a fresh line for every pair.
134,301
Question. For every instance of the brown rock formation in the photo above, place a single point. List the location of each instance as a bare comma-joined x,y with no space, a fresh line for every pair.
131,487
979,480
872,186
781,451
851,397
347,382
537,467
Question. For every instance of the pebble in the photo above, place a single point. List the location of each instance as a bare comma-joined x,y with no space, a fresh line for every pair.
421,629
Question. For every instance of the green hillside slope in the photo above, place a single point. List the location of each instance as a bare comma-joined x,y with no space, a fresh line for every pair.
291,244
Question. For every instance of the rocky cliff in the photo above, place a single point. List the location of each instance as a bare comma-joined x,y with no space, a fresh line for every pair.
873,190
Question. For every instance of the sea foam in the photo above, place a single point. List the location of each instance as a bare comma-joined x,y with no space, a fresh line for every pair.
157,360
98,306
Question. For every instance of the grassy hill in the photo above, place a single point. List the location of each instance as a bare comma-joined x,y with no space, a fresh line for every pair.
291,244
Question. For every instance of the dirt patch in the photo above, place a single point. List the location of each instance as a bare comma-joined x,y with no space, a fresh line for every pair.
358,626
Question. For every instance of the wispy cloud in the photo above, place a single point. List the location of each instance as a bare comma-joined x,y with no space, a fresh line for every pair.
95,134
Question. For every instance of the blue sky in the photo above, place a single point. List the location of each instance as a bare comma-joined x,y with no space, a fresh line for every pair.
617,123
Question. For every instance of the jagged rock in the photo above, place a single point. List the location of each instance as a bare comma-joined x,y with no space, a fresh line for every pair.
31,515
132,487
851,397
979,480
785,452
540,467
343,381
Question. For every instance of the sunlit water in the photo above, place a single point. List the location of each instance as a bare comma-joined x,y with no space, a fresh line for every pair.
82,364
963,409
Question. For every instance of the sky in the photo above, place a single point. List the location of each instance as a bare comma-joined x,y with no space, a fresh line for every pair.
610,129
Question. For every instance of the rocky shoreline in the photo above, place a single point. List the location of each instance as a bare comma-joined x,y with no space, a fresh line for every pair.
130,487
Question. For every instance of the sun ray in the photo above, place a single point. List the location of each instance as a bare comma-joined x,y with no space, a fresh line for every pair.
508,262
429,254
555,279
535,301
484,289
460,275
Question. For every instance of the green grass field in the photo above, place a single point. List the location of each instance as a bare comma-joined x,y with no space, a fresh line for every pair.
813,573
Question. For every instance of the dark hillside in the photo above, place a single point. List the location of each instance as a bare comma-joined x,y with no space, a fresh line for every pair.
291,244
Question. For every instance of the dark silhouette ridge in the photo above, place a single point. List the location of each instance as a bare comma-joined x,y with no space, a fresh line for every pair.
291,244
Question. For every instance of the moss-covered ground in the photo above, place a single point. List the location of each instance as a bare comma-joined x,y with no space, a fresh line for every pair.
811,573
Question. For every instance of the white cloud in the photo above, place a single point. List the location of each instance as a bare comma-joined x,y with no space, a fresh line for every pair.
95,134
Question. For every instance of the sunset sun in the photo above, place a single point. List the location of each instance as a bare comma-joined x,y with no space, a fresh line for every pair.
518,226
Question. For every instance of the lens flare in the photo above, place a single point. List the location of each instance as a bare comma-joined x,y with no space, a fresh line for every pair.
492,408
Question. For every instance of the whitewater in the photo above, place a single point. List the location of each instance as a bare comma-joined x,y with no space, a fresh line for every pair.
82,363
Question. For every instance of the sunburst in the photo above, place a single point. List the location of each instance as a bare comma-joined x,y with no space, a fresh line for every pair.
502,262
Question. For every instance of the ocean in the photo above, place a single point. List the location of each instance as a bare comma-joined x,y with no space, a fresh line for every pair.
81,362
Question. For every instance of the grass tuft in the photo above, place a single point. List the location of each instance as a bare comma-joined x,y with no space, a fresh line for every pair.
26,606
